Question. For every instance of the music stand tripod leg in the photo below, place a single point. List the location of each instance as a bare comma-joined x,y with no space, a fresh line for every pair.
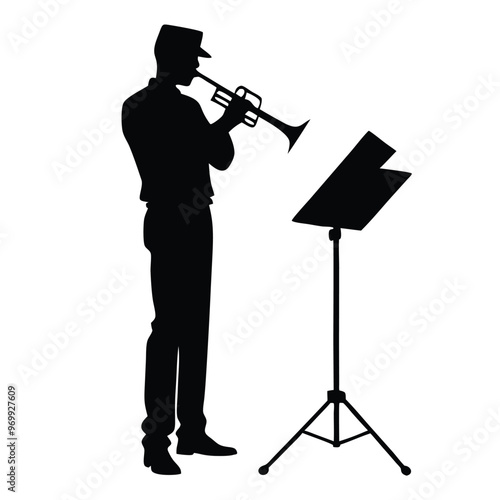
265,468
404,468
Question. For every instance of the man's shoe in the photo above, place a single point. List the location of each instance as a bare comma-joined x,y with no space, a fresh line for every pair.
203,446
159,459
165,465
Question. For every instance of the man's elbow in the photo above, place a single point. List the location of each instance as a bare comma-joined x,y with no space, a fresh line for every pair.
222,162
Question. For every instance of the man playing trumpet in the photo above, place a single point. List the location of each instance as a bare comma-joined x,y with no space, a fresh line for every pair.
173,144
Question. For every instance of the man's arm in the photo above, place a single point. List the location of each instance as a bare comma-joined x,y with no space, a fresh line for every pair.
221,150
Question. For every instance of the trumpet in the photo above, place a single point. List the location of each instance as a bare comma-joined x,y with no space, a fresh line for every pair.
223,96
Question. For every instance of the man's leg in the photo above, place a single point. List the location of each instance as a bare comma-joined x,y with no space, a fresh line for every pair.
193,343
159,386
161,352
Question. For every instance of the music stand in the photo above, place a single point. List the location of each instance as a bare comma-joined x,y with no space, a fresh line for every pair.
349,198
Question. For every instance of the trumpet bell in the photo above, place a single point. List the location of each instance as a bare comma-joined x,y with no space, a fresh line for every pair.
293,133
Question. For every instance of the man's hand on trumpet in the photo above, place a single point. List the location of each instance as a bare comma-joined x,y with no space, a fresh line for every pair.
234,113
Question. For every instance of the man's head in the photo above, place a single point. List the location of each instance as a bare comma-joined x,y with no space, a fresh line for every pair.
177,50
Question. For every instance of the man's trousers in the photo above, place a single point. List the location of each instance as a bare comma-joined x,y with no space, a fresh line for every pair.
176,354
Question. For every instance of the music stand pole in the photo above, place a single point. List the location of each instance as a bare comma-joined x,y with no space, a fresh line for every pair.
334,236
336,396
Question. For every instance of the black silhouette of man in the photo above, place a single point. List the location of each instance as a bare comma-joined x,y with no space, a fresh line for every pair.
173,144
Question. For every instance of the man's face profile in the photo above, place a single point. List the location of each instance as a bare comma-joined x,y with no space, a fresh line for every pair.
181,70
187,71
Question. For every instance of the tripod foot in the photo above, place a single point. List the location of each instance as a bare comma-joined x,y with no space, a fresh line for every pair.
406,470
265,469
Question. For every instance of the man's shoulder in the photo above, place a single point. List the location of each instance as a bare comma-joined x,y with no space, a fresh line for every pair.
139,96
156,99
144,101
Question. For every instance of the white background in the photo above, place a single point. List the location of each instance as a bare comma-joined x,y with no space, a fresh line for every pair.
434,401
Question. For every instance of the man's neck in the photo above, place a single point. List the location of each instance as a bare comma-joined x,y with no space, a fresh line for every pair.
165,76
